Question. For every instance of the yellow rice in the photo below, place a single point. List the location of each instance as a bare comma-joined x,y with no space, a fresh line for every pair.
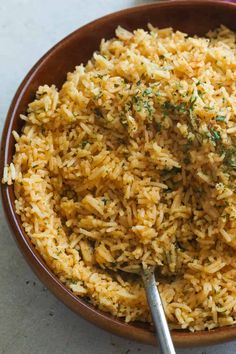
133,161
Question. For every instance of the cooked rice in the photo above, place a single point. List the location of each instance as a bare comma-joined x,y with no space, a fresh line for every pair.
133,161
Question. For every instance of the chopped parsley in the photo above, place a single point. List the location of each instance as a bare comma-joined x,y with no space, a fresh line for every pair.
192,102
84,143
208,108
230,157
147,91
220,118
167,107
104,200
214,135
181,108
148,107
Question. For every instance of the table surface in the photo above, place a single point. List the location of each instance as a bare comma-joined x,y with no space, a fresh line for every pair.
32,320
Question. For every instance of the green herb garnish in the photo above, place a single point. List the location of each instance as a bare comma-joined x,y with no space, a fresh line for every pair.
84,143
100,76
147,91
215,135
220,118
104,200
230,157
181,108
148,107
192,102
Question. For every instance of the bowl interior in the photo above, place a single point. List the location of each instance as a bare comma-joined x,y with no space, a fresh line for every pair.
192,17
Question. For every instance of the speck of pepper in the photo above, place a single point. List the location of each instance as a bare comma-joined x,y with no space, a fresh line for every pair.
51,313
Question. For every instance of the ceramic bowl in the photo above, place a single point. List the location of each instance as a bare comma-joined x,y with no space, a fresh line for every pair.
192,17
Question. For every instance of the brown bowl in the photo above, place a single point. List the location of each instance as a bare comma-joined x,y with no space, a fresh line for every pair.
193,17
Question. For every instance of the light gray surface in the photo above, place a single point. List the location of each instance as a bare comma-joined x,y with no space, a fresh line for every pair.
32,320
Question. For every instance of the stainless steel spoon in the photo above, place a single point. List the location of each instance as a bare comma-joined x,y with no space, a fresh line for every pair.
157,311
155,304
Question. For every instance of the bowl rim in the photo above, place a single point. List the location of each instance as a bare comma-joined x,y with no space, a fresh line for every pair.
49,279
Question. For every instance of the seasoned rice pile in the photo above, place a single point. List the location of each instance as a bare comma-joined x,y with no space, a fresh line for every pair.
134,161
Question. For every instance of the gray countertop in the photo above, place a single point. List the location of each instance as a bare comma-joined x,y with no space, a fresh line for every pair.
32,320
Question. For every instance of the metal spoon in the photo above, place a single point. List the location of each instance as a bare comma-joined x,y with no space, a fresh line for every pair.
157,311
155,304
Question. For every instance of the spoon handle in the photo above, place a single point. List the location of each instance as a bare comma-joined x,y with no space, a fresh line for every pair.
157,311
